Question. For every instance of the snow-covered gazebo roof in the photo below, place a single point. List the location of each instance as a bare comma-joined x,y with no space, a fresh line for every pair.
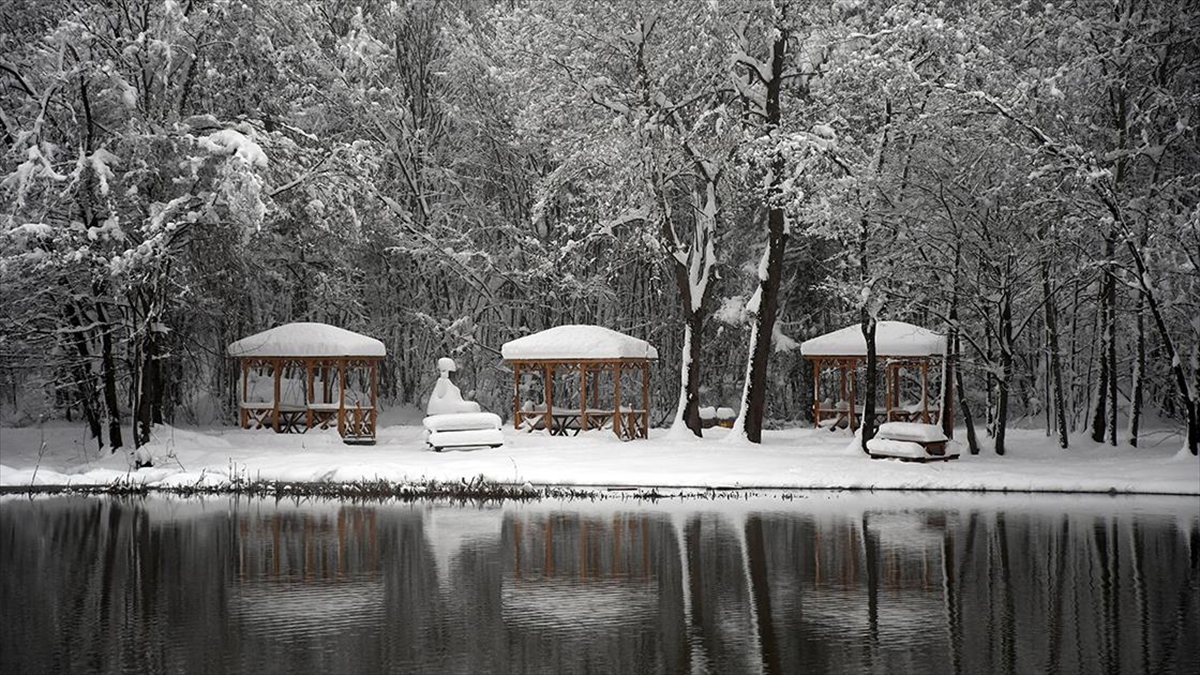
577,342
892,338
307,339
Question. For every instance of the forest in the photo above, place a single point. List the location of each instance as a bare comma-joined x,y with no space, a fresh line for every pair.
723,179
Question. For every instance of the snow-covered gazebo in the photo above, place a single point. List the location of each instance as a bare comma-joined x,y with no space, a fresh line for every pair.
902,348
304,375
602,357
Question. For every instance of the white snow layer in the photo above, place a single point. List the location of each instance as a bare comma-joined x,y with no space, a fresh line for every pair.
911,431
307,339
797,458
230,142
892,338
578,342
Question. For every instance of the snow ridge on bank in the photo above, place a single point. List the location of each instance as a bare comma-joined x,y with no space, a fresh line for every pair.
794,459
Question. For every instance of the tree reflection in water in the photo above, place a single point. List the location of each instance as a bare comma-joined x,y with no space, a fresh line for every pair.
831,583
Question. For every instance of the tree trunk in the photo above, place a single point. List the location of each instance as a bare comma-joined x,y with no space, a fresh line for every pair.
989,378
956,347
693,270
84,379
108,362
771,273
1006,358
1108,295
1055,375
688,412
868,418
147,390
1139,369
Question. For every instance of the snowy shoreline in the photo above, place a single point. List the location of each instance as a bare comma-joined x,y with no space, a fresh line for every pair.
222,459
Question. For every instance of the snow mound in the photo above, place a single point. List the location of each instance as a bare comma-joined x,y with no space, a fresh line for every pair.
892,338
307,339
578,342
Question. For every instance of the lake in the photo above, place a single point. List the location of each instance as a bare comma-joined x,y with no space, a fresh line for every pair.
810,582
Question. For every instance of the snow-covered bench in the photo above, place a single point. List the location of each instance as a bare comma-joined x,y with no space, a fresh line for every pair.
910,441
463,430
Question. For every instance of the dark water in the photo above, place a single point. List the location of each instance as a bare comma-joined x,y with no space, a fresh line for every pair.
826,583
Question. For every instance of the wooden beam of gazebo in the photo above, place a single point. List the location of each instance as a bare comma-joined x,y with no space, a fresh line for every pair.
323,353
898,346
592,352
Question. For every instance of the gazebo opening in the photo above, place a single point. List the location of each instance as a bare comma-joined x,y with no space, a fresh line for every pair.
908,356
575,378
303,375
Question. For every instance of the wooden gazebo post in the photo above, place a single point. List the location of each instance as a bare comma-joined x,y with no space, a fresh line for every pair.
311,396
583,391
548,388
516,394
245,414
925,390
374,366
816,392
853,382
341,396
617,368
275,407
646,397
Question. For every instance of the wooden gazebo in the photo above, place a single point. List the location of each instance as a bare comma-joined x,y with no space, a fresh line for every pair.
303,375
901,349
602,358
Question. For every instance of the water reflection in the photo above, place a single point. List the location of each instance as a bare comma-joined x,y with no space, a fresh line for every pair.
831,583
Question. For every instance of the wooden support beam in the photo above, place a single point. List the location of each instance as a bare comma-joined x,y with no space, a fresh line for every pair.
275,363
925,391
516,394
816,392
310,394
646,398
583,407
341,397
374,366
245,414
548,387
853,409
617,398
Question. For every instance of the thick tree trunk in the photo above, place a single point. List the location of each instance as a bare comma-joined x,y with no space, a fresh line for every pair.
688,412
147,391
768,307
872,375
771,273
693,268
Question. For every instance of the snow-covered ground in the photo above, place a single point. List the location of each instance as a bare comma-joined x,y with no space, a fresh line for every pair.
793,458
